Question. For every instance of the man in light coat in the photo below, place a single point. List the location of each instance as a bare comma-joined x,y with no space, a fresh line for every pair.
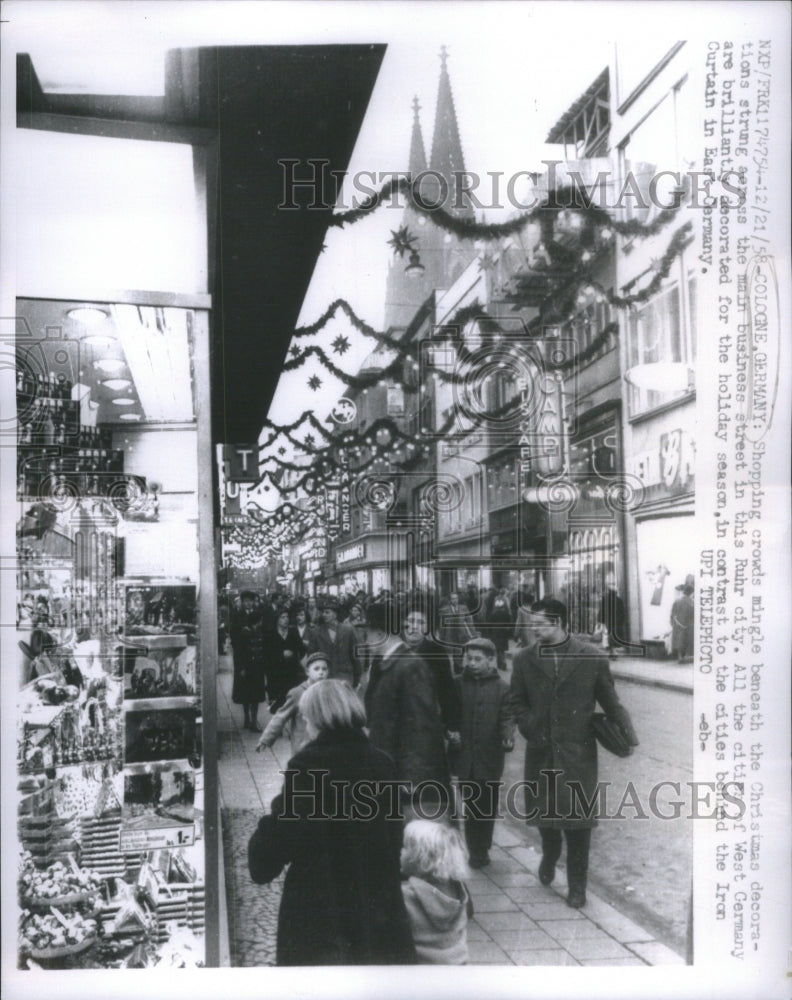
554,689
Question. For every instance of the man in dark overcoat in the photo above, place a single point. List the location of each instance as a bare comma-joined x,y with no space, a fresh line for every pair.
555,687
403,713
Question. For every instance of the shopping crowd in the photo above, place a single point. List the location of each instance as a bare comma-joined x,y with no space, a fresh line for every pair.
399,718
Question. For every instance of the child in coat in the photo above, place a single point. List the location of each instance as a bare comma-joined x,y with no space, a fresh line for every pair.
487,733
434,867
288,718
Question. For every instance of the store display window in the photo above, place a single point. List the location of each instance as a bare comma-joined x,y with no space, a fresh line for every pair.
109,710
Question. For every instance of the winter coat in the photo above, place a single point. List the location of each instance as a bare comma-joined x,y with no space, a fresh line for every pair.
438,917
612,616
341,902
456,627
682,619
247,641
283,671
404,717
289,720
340,652
554,715
487,720
437,659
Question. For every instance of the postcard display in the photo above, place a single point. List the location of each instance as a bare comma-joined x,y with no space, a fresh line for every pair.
110,780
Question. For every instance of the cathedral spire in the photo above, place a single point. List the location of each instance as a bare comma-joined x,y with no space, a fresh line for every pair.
417,151
446,145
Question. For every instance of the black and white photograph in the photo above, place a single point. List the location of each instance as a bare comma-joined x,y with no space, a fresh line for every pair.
394,412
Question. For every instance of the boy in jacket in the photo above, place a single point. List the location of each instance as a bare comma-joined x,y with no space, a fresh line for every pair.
487,733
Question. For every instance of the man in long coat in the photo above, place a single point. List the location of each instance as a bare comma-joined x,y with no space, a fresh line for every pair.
554,689
403,713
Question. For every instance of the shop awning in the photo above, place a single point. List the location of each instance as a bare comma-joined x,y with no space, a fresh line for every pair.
266,103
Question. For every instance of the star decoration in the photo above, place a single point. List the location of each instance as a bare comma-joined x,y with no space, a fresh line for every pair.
401,240
341,344
486,262
314,382
281,450
308,441
295,351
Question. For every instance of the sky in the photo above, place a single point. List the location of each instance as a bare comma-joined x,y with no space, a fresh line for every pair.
514,68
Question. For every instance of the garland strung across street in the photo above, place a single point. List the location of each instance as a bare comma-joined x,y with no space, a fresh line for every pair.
563,261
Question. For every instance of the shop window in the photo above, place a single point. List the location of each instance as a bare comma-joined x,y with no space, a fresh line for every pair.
502,484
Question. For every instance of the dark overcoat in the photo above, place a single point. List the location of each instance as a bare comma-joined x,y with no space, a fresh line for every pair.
554,713
487,720
247,641
341,652
283,671
342,902
404,717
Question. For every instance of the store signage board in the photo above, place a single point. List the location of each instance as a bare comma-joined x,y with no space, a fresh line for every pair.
156,838
242,462
425,485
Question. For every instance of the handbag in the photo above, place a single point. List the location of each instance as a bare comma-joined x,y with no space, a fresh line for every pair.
610,735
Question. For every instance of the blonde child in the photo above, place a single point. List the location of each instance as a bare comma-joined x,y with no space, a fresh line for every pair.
434,867
289,718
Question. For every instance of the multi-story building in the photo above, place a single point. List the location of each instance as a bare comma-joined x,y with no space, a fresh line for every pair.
651,131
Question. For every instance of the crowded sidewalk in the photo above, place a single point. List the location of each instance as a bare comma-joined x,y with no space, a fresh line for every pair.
516,920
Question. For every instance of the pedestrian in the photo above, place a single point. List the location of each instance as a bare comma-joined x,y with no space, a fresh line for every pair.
339,642
403,714
499,623
289,719
554,689
341,902
247,639
523,632
682,621
456,627
303,629
612,618
283,651
487,734
436,657
434,866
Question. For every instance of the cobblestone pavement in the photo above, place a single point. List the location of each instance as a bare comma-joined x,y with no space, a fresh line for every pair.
516,920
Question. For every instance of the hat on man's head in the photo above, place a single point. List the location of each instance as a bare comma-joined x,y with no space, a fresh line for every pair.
248,593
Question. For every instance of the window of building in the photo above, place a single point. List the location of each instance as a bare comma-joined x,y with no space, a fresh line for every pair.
664,141
502,483
662,330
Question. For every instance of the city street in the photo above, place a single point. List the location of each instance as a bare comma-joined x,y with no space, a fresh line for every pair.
640,874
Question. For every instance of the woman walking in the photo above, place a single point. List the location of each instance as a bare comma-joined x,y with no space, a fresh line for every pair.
342,902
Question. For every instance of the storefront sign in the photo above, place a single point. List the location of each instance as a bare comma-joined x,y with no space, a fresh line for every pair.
241,462
669,466
156,838
349,554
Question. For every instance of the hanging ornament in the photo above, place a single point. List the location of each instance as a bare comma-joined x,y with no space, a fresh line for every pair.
314,383
341,344
401,240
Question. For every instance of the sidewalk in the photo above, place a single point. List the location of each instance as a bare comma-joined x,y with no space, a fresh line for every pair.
516,921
